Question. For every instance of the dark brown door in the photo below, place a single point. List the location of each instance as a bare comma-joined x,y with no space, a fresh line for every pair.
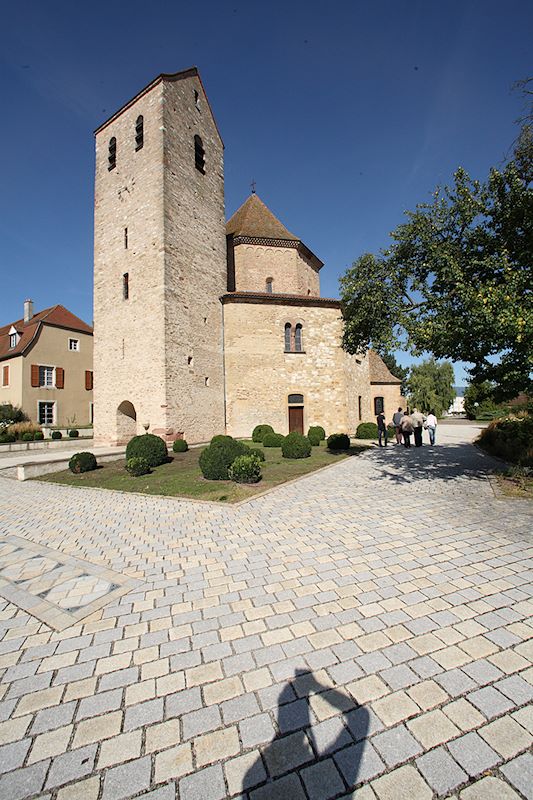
296,419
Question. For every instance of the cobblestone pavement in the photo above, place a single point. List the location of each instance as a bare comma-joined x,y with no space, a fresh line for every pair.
364,632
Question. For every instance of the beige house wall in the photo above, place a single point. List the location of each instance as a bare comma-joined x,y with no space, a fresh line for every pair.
73,402
12,393
291,271
260,375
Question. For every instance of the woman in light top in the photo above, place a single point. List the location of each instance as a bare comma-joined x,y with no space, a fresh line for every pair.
431,425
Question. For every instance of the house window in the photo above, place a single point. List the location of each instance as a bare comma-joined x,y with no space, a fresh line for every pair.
126,286
5,375
199,155
74,344
288,331
298,338
296,399
13,339
46,376
379,405
360,407
112,155
46,413
268,287
139,133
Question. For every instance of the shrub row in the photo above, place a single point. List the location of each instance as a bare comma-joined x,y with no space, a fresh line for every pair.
34,436
510,439
369,430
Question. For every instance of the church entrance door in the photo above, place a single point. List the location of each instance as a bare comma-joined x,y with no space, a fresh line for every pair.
296,419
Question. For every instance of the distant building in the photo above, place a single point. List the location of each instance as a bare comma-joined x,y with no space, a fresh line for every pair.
46,362
458,405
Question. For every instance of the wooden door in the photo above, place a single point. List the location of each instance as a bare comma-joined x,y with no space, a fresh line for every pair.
296,419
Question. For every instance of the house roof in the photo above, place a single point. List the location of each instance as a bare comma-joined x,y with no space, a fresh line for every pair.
379,371
268,298
253,218
56,316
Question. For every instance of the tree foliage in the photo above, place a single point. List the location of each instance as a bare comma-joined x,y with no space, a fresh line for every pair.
456,282
430,386
479,398
399,372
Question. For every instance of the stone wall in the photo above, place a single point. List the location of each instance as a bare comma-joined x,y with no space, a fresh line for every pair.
291,271
392,398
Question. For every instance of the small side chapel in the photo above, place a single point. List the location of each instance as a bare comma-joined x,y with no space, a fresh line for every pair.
203,327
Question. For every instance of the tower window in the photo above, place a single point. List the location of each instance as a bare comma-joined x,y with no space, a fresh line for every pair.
268,286
206,381
196,99
126,286
379,405
139,133
288,331
298,338
125,238
199,155
112,156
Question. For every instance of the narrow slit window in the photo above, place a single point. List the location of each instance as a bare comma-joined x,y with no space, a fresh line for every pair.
139,133
288,331
199,155
268,286
298,338
125,238
126,286
112,155
196,99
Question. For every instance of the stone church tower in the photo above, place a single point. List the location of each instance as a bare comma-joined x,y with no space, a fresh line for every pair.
160,265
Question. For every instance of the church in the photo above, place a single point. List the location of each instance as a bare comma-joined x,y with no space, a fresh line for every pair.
203,327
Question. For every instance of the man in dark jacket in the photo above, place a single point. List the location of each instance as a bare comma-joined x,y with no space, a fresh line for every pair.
382,428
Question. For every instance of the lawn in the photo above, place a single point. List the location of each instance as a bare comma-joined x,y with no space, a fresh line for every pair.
181,477
515,485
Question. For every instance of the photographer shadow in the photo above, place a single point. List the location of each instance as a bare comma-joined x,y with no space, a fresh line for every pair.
294,755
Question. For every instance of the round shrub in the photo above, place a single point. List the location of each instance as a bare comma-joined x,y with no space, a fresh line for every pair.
260,432
273,440
338,441
245,469
296,446
137,466
180,446
220,437
367,430
314,438
82,462
38,436
148,446
391,431
7,438
73,434
216,459
256,451
27,437
317,430
57,435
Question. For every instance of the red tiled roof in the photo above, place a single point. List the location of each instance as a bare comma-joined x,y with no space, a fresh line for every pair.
254,218
379,371
279,299
56,316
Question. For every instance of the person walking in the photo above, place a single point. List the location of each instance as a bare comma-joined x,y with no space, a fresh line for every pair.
418,426
396,420
431,425
406,424
382,428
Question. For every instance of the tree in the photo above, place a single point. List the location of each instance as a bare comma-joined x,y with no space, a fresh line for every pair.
396,369
456,282
430,386
479,398
523,144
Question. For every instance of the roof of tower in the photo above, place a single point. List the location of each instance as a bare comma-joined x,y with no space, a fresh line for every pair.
379,371
253,218
57,316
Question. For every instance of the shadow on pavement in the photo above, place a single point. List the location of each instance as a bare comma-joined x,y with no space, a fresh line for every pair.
326,766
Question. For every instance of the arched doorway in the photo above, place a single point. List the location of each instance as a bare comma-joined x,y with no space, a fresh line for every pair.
296,413
126,422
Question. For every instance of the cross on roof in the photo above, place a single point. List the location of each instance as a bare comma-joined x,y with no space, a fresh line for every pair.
253,186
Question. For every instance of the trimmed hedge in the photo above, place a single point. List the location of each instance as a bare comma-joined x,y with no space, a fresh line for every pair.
7,438
137,466
273,440
216,459
148,446
245,469
296,446
73,433
509,439
38,436
338,441
260,431
316,430
367,430
82,462
314,438
220,437
27,437
57,435
180,446
256,451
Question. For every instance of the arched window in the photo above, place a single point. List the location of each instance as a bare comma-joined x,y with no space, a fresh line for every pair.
268,285
298,338
112,156
199,155
288,331
139,132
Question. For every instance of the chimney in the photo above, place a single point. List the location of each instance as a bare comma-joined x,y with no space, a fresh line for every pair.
28,310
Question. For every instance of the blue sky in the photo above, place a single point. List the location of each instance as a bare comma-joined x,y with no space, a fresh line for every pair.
345,113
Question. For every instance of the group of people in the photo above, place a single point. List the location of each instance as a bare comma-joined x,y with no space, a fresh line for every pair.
407,425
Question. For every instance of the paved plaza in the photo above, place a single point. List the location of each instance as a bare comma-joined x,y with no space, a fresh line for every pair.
364,632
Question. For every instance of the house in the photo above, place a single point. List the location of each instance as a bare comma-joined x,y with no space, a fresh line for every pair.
201,327
46,363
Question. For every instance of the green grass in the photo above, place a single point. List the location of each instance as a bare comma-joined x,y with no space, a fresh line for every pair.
181,477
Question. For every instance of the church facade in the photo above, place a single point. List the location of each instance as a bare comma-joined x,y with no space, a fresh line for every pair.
201,327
